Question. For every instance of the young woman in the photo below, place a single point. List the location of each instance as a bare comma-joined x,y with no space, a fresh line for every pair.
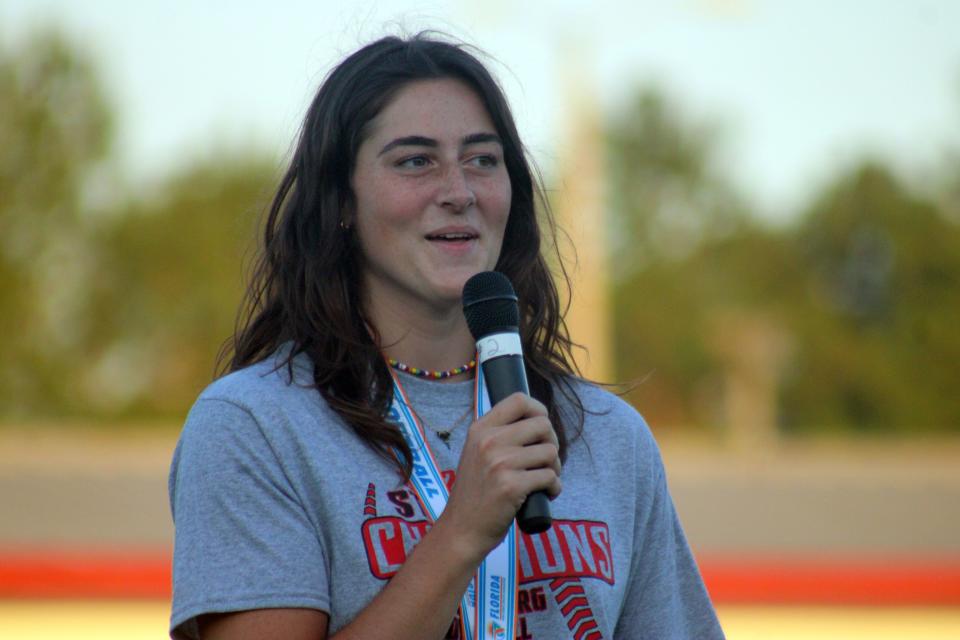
297,491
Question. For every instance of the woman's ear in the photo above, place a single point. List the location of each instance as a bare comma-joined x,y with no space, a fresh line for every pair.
347,213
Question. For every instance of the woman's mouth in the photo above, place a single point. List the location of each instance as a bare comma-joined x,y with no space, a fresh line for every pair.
451,237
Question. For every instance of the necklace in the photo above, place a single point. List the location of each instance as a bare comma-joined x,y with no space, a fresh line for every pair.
428,373
444,435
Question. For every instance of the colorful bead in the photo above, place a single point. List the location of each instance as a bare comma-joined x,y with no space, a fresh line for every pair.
427,373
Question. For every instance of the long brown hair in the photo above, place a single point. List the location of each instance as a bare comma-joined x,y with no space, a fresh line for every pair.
305,289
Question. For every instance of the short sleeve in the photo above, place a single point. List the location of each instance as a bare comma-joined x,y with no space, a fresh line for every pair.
666,598
243,539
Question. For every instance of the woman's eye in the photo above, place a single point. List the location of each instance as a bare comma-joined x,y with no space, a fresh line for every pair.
413,162
485,161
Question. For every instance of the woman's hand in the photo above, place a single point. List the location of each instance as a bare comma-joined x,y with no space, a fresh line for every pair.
510,452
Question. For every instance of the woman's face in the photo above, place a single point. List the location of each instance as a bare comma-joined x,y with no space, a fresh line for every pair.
432,196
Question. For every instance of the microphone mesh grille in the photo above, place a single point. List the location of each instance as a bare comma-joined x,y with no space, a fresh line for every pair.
490,304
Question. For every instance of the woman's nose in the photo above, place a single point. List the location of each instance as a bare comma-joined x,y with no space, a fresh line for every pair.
457,194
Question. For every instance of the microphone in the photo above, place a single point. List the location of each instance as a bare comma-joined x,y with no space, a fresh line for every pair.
490,307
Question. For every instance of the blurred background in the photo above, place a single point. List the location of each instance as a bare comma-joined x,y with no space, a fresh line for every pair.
762,207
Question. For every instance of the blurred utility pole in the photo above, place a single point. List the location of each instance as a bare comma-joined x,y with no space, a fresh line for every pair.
752,350
581,212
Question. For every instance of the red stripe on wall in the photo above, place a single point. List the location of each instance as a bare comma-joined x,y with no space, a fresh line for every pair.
747,579
839,580
56,573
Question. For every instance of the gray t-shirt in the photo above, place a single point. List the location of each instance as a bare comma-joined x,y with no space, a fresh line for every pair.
278,504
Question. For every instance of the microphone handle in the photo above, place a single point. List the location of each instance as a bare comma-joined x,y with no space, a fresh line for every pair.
504,376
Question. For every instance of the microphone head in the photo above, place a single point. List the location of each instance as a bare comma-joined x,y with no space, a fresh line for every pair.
490,305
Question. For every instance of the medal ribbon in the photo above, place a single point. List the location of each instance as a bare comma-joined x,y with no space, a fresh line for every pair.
488,609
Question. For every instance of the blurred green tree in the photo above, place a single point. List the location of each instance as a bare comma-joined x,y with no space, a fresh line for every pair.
168,284
859,297
55,128
119,312
879,318
666,185
684,244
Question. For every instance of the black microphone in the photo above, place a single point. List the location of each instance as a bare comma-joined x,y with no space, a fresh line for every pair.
490,307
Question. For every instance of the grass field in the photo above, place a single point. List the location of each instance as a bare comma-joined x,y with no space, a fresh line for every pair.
146,620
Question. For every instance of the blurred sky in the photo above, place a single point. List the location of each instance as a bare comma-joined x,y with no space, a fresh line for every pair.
799,86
